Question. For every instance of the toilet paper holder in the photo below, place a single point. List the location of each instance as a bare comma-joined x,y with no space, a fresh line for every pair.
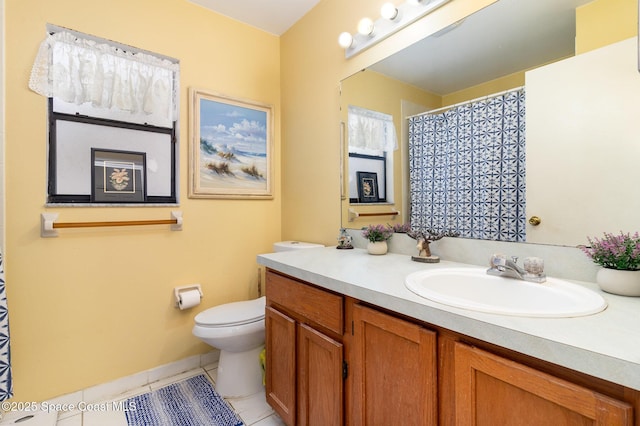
178,290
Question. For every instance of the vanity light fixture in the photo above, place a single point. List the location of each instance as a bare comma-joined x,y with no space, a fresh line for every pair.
393,19
345,40
366,27
389,11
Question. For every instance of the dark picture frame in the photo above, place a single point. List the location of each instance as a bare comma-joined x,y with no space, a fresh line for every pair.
367,187
118,176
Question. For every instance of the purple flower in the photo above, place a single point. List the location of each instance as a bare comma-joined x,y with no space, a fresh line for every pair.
615,251
376,233
401,228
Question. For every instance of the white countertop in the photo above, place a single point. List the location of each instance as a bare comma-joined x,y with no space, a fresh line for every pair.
604,345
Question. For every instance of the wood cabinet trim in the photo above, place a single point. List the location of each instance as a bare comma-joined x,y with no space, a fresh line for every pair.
307,303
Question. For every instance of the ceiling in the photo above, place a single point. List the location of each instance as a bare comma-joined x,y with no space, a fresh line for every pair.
272,16
506,37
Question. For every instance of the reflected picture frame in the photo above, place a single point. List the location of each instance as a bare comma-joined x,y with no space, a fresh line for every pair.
231,147
368,191
118,176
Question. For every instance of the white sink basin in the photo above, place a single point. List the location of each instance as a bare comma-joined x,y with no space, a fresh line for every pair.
474,289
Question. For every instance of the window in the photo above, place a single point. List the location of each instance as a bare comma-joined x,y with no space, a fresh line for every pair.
111,97
374,164
372,140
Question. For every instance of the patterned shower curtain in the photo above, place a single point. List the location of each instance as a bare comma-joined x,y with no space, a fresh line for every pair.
467,169
6,384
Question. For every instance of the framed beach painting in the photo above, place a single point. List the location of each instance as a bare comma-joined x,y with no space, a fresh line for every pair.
230,147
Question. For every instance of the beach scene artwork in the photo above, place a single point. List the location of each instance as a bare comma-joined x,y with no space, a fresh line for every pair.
233,148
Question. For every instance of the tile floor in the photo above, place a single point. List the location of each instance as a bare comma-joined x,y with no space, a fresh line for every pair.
253,409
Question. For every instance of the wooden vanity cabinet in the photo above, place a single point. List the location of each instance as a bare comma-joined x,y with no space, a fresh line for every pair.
305,354
401,372
492,390
393,371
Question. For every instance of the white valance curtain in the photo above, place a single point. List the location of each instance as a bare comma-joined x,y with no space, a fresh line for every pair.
79,71
371,130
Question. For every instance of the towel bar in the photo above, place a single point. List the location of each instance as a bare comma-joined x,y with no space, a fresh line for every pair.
353,215
49,225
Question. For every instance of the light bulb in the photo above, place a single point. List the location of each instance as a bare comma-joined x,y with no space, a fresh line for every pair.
389,11
345,40
366,27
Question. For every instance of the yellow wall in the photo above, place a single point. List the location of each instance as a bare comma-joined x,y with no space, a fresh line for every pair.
94,305
603,22
494,86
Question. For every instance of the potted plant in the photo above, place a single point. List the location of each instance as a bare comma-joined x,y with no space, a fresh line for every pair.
619,256
377,236
400,228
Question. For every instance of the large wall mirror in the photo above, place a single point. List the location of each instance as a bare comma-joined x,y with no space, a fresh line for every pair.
582,142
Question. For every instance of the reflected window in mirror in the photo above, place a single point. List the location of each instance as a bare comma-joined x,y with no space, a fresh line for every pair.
367,178
372,141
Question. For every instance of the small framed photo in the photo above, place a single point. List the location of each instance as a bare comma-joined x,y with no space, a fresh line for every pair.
367,187
118,176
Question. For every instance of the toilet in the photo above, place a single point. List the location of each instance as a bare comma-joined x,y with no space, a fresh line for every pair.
237,330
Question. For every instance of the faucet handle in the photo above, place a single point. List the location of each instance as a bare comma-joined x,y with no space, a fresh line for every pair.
514,259
534,265
497,259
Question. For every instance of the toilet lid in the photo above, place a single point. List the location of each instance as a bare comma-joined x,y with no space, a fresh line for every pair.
235,313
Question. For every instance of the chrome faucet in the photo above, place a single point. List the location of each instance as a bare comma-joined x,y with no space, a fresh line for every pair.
503,267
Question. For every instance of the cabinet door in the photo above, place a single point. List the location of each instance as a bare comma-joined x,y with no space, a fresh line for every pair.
394,371
320,399
491,390
281,364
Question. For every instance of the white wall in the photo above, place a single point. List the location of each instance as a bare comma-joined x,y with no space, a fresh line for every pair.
583,145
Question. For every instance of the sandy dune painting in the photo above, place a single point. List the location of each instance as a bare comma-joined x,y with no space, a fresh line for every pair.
230,147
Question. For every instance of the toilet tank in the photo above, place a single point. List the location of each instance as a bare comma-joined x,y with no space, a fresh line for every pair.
293,245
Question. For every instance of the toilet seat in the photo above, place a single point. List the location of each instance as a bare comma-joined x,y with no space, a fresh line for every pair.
232,314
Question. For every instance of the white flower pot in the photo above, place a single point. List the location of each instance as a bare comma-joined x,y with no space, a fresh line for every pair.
378,247
616,281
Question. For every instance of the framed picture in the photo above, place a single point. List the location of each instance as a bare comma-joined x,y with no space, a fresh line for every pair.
118,176
367,187
230,147
374,164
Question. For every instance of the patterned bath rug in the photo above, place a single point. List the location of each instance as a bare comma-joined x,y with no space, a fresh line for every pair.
192,402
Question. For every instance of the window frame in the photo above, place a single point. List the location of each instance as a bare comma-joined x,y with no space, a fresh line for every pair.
382,179
53,197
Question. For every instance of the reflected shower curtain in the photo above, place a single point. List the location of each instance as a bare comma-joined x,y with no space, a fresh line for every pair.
6,384
467,169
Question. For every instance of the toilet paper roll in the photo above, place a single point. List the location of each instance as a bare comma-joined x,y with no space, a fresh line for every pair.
188,299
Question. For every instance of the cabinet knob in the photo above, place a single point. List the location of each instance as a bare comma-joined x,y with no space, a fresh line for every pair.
535,220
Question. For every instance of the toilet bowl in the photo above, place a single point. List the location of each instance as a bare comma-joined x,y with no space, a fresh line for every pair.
293,245
237,330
